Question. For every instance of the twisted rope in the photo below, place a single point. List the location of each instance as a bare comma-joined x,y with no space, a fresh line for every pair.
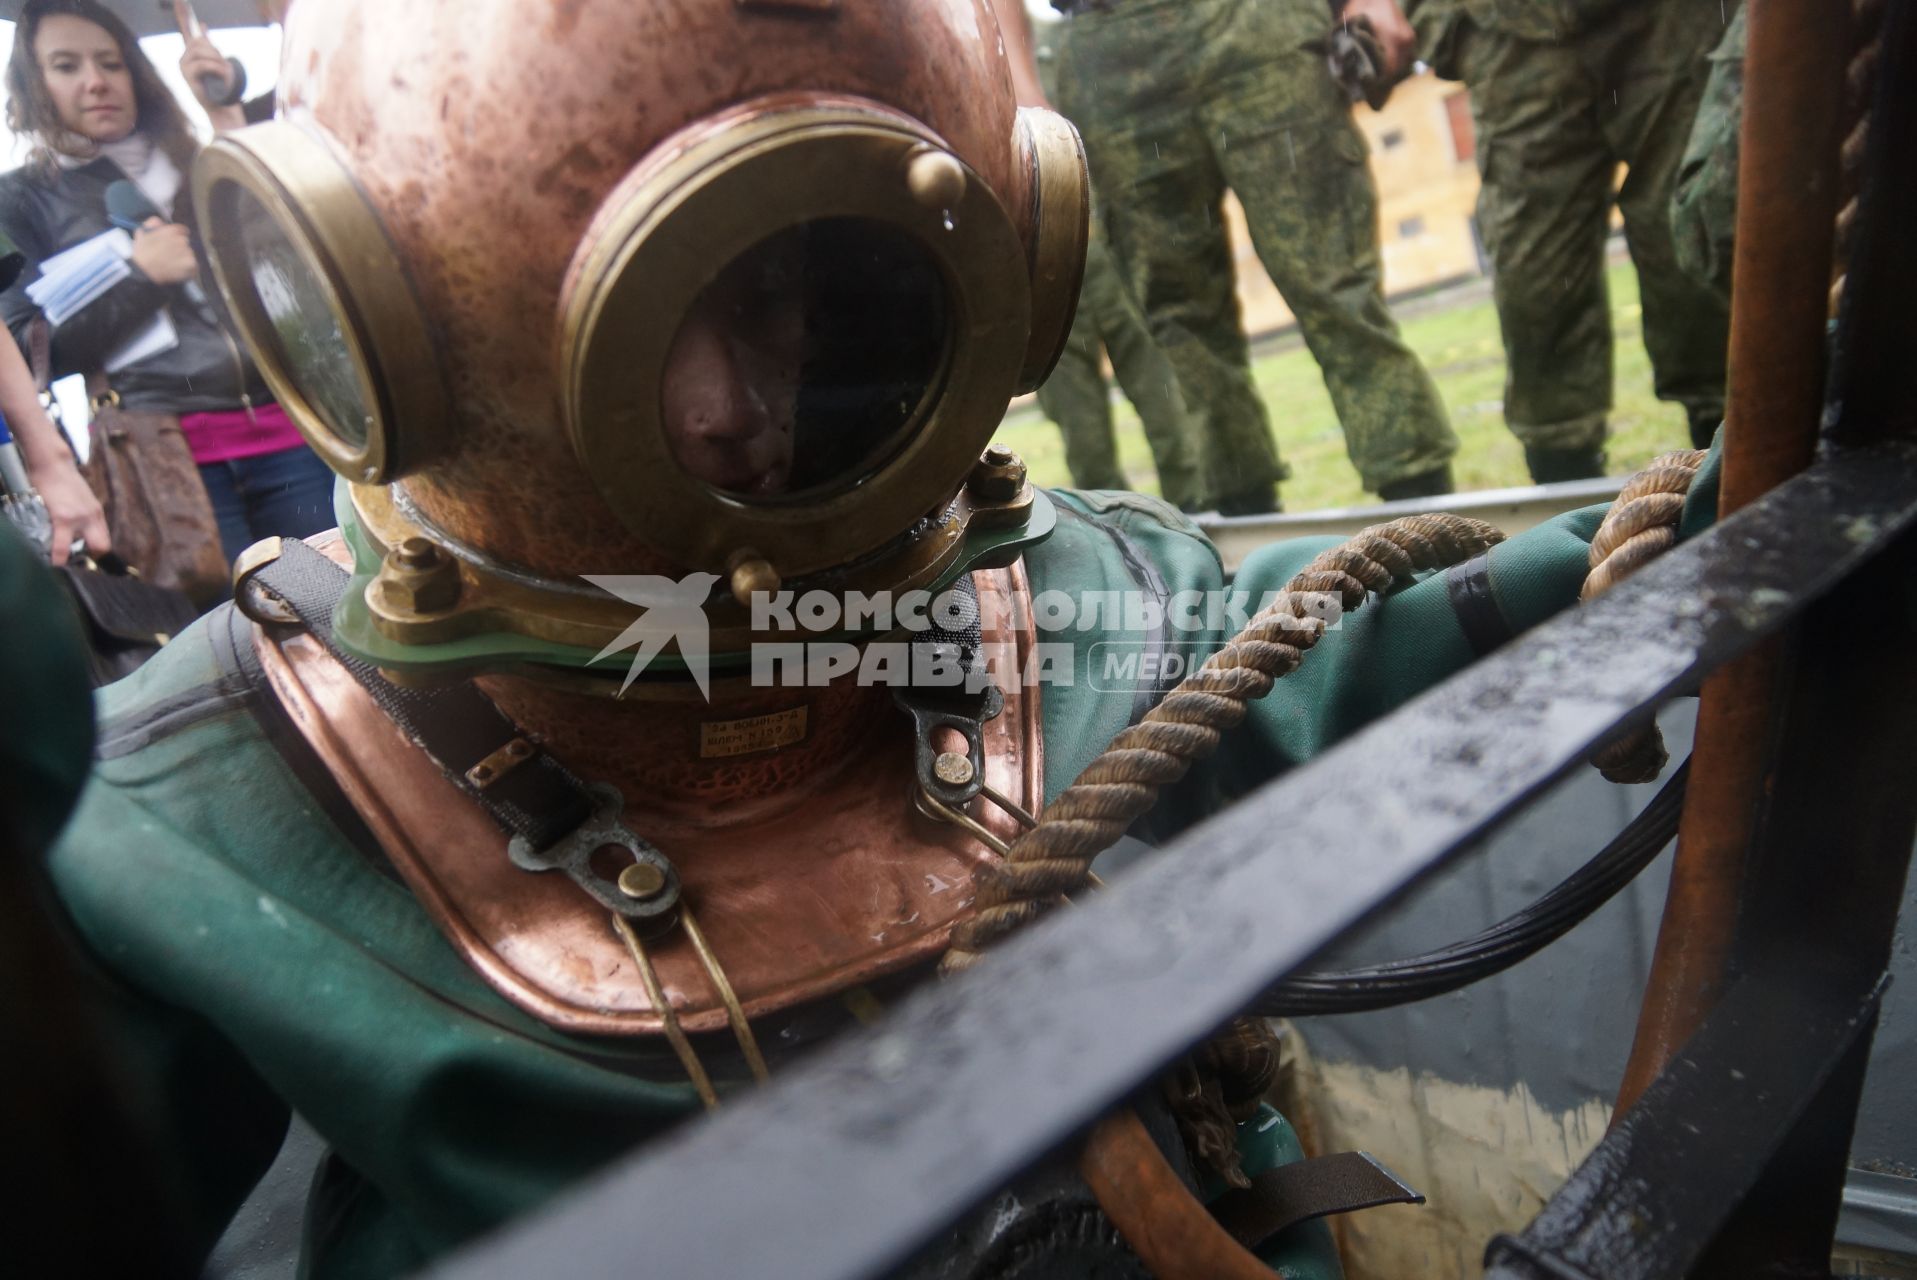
1641,525
1053,859
1860,84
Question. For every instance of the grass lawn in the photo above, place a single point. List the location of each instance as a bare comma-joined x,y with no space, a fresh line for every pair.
1460,346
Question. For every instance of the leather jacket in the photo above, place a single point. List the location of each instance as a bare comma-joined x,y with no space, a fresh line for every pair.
208,371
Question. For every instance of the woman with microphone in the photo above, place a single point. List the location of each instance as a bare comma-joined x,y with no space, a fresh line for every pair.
112,146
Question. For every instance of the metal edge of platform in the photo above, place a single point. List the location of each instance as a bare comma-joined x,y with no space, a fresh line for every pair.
1513,510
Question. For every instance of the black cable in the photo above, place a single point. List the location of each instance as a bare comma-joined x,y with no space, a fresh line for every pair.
1419,977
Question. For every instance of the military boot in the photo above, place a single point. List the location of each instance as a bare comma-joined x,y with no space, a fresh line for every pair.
1258,501
1548,466
1434,483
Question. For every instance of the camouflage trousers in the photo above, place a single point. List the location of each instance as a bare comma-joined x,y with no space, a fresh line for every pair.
1554,121
1076,397
1704,194
1180,100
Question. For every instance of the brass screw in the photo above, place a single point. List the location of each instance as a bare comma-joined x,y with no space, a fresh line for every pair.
952,768
935,179
998,476
752,574
642,880
417,553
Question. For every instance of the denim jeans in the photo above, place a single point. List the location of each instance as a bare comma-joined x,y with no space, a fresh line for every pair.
289,493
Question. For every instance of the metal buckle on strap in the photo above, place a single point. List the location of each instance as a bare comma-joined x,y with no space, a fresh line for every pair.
254,598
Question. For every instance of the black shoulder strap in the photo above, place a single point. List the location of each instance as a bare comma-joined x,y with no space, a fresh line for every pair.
553,820
1293,1193
524,790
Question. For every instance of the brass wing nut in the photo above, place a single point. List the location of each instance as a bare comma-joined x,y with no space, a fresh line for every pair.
998,476
418,577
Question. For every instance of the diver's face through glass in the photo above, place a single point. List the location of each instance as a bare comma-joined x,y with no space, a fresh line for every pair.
731,388
803,365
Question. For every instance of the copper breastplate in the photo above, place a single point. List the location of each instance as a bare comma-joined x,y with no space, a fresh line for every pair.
842,885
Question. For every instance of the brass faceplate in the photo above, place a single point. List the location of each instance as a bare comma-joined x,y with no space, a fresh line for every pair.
680,218
312,199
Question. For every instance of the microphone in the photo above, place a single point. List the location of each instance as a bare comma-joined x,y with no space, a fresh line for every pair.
128,209
227,92
127,206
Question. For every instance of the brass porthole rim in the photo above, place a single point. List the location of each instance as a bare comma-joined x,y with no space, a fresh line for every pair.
658,242
311,197
1061,187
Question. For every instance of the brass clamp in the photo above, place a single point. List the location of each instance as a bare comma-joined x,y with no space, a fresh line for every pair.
962,705
645,891
952,777
669,1019
939,811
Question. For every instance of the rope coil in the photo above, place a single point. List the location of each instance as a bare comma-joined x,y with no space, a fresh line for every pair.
1860,85
1640,526
1054,858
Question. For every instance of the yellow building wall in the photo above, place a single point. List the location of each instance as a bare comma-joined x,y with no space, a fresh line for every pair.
1426,197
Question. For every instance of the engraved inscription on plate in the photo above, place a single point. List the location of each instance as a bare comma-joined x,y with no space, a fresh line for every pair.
756,733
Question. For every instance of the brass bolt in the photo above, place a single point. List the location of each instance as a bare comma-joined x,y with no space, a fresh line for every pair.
935,179
752,574
953,769
998,476
418,577
642,880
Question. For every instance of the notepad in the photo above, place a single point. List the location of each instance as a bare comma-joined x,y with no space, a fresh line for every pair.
75,277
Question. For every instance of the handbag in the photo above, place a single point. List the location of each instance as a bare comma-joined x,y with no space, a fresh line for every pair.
126,619
139,466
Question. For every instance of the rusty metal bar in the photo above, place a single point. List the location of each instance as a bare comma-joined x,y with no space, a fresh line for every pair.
1648,1203
1788,191
1731,1166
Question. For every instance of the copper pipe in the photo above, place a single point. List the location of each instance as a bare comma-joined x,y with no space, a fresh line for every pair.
1787,197
1155,1212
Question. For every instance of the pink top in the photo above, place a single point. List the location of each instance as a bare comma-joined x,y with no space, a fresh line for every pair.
239,433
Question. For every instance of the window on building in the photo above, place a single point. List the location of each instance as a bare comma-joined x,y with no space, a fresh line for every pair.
1410,228
1391,139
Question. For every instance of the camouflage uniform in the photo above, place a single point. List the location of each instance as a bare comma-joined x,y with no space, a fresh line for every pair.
1704,198
1180,99
1562,92
1076,398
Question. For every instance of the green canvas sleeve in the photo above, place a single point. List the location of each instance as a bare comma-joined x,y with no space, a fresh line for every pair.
1394,647
254,938
1378,657
43,684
